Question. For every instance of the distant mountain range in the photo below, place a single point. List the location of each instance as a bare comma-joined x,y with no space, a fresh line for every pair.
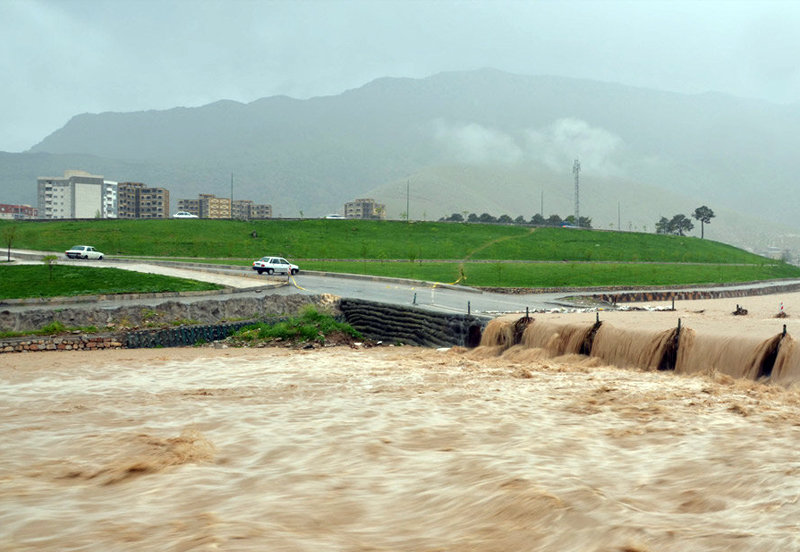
475,141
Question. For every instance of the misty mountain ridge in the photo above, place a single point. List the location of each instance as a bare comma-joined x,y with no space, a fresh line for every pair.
476,141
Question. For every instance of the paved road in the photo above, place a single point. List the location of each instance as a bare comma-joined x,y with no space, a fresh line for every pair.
440,298
429,296
388,290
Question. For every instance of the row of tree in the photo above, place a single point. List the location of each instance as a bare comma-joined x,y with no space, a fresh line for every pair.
537,219
679,224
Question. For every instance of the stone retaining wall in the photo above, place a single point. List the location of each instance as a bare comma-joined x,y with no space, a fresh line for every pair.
211,311
684,295
61,343
413,326
247,310
181,336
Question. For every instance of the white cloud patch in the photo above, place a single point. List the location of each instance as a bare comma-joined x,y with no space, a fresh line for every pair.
555,146
477,145
559,144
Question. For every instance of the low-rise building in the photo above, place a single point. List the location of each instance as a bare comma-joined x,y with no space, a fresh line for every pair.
190,206
260,211
245,209
215,207
8,211
211,206
365,208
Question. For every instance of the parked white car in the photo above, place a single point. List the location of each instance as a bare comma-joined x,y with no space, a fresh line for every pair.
184,214
275,264
83,252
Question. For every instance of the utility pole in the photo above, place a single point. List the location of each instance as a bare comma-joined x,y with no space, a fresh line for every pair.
408,213
576,170
619,219
231,195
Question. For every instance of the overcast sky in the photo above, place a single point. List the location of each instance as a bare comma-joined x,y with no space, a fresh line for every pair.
60,58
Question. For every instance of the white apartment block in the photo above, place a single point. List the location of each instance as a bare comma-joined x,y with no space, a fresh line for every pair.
77,194
110,198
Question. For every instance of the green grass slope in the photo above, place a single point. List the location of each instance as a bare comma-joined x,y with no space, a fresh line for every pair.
357,239
25,281
471,254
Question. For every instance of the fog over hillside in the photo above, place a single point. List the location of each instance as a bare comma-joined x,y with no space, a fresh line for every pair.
475,141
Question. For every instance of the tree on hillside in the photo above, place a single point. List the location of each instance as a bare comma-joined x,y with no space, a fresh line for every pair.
553,220
455,217
676,225
473,218
680,224
585,222
505,219
519,220
704,215
486,217
537,219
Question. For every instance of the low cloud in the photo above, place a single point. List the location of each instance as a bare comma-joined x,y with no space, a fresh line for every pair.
477,145
555,146
559,144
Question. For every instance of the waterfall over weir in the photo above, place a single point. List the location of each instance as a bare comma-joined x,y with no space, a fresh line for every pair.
776,359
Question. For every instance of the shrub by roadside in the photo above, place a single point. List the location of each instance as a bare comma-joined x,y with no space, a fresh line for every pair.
311,328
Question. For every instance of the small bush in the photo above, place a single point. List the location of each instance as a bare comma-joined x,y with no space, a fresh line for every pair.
310,326
54,327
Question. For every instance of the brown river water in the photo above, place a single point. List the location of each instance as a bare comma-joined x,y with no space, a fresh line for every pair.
394,448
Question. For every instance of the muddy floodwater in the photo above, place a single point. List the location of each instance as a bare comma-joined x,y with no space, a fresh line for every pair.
393,448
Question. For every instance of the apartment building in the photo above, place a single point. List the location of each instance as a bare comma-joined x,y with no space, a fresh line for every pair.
8,211
211,206
365,208
245,209
110,199
190,206
77,194
135,200
214,207
260,211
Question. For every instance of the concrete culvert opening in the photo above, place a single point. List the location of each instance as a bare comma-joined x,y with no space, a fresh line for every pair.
519,328
473,336
770,355
588,341
669,352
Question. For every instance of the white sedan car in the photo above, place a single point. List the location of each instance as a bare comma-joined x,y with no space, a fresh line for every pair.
83,252
275,264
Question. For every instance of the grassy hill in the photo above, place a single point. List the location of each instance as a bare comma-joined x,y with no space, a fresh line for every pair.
362,239
476,254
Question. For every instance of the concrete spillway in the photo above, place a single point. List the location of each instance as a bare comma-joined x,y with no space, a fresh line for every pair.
684,350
